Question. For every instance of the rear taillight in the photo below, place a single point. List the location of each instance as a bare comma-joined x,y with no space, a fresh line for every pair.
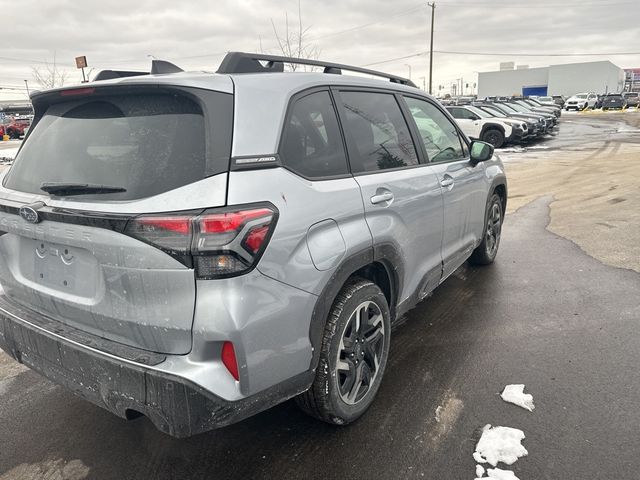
218,243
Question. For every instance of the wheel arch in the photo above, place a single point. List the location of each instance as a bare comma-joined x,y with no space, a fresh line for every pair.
377,265
500,187
493,126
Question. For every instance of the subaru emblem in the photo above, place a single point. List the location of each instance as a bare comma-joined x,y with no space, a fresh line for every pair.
29,213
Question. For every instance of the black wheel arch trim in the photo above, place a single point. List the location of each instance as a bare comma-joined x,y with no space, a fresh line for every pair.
386,255
492,126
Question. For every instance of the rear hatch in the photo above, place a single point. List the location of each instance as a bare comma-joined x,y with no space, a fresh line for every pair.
96,159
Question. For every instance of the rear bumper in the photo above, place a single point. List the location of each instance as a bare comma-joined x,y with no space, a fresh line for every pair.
122,379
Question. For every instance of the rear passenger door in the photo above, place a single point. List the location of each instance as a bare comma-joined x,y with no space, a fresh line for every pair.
401,195
464,190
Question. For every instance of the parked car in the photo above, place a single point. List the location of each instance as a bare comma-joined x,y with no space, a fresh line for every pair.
464,100
214,244
599,100
479,125
632,99
552,108
14,127
545,100
545,124
614,100
535,127
581,101
549,118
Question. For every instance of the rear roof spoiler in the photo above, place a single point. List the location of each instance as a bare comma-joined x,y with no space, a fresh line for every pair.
158,67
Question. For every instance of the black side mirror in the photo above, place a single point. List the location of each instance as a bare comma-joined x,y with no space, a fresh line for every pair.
480,152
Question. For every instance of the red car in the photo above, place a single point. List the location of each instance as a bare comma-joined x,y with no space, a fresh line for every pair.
15,128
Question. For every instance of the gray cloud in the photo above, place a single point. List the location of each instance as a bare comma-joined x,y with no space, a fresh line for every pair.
194,34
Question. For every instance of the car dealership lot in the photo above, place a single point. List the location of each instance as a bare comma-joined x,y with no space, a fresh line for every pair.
557,312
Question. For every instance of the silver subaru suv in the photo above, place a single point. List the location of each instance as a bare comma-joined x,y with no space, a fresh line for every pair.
198,247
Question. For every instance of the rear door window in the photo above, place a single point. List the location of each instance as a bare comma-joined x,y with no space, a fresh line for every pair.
312,144
147,144
378,132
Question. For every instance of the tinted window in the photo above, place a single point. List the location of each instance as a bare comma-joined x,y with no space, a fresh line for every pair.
147,144
462,113
312,144
438,133
379,132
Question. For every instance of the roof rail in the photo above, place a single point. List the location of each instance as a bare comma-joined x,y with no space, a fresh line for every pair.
157,67
240,62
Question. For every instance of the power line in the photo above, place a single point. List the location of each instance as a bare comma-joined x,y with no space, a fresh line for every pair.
537,5
504,54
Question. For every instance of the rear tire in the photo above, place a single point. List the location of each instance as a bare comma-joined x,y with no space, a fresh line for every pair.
493,136
486,252
353,355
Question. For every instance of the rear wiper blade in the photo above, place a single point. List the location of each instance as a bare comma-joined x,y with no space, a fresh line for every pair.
57,188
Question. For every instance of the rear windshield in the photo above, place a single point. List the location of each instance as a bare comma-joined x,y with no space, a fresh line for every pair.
147,144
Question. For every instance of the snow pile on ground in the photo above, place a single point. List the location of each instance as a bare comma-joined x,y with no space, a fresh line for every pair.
499,474
8,154
500,444
515,394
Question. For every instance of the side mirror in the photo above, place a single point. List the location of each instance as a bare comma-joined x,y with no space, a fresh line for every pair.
480,152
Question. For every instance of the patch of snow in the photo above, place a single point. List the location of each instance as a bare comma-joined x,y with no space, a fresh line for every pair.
510,149
515,394
538,147
500,444
479,471
478,458
502,474
8,153
438,410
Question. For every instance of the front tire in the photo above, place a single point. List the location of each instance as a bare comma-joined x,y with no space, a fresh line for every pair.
493,136
353,355
486,252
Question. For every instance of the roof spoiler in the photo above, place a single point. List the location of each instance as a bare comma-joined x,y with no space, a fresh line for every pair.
158,67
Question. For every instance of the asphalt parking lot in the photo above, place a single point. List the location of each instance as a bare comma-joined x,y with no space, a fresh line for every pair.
557,312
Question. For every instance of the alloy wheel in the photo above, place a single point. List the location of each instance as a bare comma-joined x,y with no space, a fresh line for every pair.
494,227
360,351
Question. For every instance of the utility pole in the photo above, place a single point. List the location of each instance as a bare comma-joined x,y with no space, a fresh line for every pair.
424,87
407,65
27,85
433,10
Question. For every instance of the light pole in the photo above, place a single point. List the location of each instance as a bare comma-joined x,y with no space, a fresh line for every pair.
26,82
433,10
407,65
424,87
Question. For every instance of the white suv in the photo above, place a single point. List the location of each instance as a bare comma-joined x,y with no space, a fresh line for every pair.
477,124
581,101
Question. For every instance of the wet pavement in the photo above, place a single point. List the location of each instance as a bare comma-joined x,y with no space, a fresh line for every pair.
545,314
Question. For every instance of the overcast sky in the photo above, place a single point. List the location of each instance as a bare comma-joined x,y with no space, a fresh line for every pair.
195,34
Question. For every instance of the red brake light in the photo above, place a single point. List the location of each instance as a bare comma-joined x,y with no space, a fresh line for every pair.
255,238
77,91
225,222
174,224
229,360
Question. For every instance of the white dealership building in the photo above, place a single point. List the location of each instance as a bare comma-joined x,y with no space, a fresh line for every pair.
565,79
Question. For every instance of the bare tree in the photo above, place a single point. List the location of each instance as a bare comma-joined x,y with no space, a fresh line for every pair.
49,75
295,42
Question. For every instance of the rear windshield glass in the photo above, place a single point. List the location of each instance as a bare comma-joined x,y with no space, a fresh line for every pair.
147,144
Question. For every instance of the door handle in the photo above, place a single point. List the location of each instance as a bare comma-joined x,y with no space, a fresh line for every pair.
382,198
447,182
